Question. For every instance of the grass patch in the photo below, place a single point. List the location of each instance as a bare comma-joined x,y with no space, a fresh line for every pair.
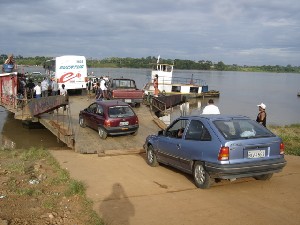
16,167
75,188
62,177
49,204
54,189
34,154
290,136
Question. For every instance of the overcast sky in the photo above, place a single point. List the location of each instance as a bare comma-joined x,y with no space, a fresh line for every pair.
243,32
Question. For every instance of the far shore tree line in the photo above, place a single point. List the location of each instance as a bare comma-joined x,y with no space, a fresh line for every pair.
180,64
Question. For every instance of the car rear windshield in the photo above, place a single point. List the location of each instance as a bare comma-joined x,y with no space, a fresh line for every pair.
120,111
241,129
123,84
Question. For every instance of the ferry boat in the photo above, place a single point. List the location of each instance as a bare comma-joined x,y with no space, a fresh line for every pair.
169,85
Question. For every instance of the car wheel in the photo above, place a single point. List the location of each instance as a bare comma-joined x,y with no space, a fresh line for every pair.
151,157
201,177
82,122
102,133
264,176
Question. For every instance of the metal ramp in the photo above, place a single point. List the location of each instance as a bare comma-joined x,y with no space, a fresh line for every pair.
48,111
162,103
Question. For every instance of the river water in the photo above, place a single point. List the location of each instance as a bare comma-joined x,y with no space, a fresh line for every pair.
240,93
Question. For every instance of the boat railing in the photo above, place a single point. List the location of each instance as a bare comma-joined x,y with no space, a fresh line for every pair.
185,80
179,80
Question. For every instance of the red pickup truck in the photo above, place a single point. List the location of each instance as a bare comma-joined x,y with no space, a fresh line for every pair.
125,89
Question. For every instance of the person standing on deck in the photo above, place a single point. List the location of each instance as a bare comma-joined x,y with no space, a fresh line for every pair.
54,87
89,88
64,92
103,87
30,88
9,62
155,85
99,94
38,90
45,86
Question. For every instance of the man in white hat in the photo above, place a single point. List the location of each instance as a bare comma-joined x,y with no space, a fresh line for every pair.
262,115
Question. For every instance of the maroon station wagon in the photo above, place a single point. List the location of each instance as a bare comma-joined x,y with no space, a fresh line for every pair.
110,118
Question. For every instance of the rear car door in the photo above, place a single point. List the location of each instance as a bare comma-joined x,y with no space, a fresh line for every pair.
196,141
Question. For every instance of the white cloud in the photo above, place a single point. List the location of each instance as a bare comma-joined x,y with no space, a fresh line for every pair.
232,31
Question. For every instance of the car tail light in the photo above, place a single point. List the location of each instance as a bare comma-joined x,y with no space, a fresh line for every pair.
223,154
107,123
86,79
137,120
281,148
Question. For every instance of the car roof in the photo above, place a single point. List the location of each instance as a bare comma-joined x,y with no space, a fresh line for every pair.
216,117
110,103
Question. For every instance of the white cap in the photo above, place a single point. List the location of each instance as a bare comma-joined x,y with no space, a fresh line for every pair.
262,105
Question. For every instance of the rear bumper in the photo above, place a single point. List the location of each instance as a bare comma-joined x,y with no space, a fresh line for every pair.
122,130
130,100
245,169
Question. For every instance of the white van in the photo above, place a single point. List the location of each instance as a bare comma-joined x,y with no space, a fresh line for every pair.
70,70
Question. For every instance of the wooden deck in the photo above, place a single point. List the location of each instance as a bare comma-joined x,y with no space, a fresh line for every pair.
64,124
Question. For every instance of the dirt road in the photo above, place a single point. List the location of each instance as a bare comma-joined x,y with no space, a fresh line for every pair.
125,190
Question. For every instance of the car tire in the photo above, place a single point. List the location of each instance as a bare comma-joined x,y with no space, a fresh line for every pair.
264,176
151,157
102,133
201,177
82,122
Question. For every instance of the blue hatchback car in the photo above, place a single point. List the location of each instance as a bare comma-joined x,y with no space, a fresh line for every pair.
215,147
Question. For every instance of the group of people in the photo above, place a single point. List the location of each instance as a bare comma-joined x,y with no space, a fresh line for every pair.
261,117
44,88
211,108
99,87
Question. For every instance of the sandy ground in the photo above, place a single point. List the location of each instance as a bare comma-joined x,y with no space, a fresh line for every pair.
125,190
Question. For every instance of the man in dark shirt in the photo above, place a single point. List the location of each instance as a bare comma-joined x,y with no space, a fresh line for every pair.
262,115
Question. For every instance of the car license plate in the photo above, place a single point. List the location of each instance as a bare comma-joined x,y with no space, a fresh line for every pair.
124,123
253,154
128,100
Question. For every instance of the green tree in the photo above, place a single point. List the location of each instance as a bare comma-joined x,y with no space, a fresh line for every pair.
220,66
